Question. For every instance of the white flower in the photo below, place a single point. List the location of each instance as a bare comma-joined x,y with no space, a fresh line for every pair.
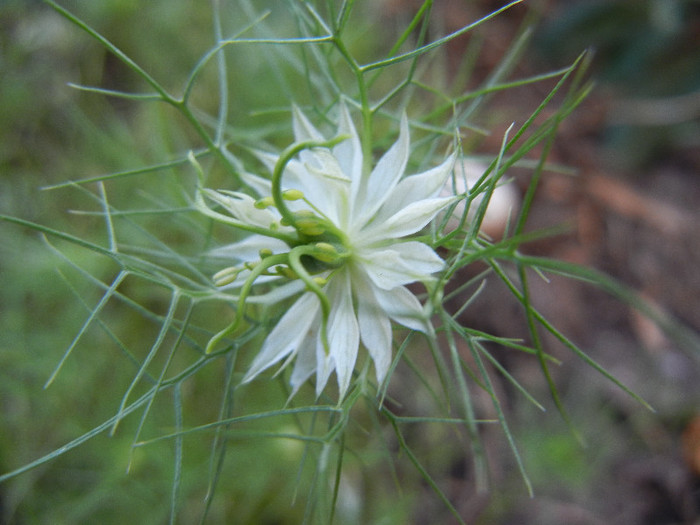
339,236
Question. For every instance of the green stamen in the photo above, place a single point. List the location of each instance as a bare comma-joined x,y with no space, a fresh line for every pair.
226,276
263,203
245,292
292,195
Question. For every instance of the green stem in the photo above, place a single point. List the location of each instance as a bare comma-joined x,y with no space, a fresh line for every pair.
296,265
256,272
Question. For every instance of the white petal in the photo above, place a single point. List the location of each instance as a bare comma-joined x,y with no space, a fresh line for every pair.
306,362
368,195
330,188
286,336
268,159
326,166
248,249
260,185
280,293
242,207
424,185
375,328
405,222
419,256
400,264
343,331
320,180
303,129
403,307
348,152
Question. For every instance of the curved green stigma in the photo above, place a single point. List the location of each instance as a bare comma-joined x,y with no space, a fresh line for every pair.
277,194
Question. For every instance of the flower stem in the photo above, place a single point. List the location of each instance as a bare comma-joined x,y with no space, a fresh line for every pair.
296,265
256,272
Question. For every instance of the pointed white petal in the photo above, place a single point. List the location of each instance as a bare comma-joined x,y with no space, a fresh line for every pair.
348,152
326,166
419,256
242,207
303,129
417,187
403,307
286,336
267,158
406,221
306,362
375,328
400,264
277,294
368,195
248,249
343,331
260,185
324,367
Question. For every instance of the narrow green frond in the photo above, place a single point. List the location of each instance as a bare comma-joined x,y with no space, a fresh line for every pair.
140,97
93,315
437,43
112,48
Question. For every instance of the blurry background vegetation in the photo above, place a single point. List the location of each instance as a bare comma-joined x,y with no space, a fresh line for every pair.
640,127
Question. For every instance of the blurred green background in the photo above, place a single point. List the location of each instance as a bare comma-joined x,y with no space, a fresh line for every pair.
646,61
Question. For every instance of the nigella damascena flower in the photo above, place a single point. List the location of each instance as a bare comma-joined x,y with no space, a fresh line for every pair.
337,237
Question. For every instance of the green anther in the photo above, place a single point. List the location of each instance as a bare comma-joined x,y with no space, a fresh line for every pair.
325,252
263,203
326,247
292,195
320,281
286,271
285,222
308,224
225,276
270,262
310,228
264,252
250,265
